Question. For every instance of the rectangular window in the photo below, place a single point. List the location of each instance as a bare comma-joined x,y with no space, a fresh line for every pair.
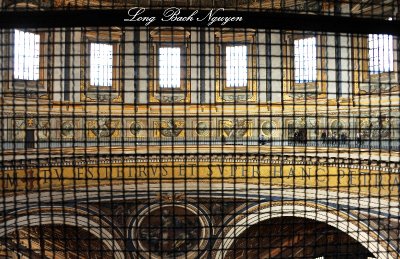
101,60
380,53
305,60
26,55
169,67
236,66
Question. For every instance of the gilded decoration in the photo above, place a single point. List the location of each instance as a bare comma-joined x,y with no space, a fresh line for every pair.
31,123
169,128
236,128
136,129
170,37
269,128
226,94
103,127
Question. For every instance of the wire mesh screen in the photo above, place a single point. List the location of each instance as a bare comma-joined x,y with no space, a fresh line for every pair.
199,129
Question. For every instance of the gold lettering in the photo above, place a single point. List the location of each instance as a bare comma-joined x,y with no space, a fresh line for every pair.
291,173
318,176
280,171
142,171
256,170
10,181
305,174
120,172
165,172
182,170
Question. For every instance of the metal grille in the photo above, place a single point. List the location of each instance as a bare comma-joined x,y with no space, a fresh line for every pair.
199,129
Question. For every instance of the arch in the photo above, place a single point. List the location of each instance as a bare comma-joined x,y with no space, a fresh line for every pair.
93,227
337,219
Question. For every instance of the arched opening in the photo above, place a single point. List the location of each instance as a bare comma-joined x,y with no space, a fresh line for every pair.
295,237
55,241
364,235
95,228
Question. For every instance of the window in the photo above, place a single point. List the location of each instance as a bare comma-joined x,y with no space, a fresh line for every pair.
26,55
169,67
101,62
101,59
380,53
304,63
375,63
305,60
30,58
236,66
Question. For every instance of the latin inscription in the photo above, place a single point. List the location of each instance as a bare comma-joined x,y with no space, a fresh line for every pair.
293,175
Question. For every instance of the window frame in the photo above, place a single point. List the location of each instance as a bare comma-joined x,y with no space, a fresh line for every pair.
113,61
316,89
25,88
91,93
303,81
224,66
183,66
40,75
225,94
169,37
361,72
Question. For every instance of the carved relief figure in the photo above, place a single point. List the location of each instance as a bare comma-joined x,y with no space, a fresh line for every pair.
172,128
268,128
235,129
136,128
19,129
203,128
44,130
103,127
67,129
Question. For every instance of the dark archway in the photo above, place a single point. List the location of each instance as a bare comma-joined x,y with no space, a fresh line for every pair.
294,237
56,241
